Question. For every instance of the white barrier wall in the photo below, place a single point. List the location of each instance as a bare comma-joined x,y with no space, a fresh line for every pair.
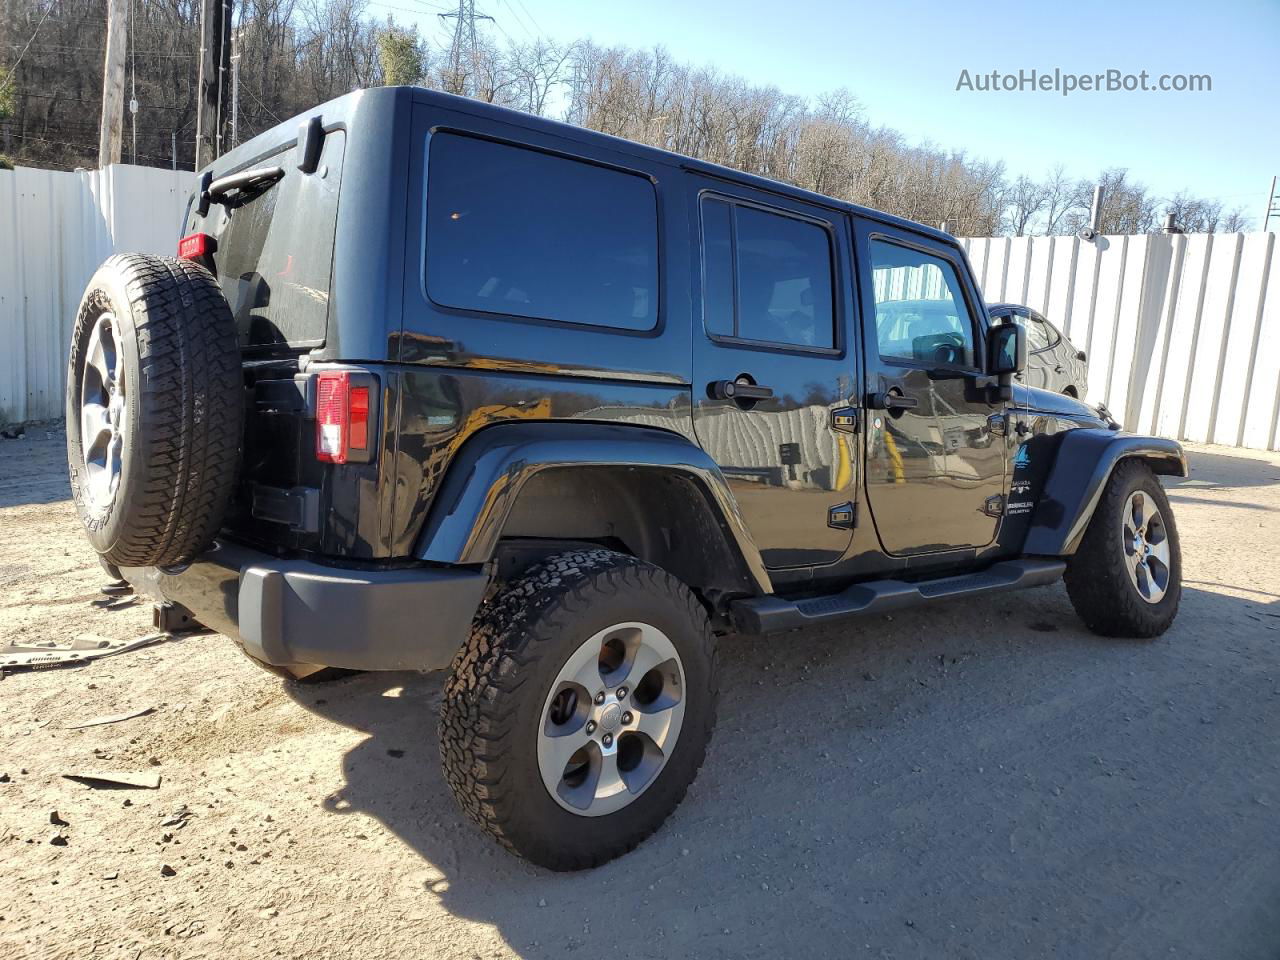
1182,331
55,228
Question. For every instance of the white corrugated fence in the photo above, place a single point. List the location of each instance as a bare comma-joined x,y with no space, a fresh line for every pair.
1182,331
55,228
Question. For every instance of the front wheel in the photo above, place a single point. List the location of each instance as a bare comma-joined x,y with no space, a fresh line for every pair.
1126,578
580,709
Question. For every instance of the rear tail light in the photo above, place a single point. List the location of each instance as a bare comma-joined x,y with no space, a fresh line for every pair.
344,409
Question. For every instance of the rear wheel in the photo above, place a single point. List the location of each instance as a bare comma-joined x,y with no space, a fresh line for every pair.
1126,578
580,709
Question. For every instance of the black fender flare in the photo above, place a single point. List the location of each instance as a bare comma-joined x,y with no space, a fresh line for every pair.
488,472
1085,460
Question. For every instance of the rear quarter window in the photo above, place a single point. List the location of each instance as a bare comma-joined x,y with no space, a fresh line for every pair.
275,251
523,233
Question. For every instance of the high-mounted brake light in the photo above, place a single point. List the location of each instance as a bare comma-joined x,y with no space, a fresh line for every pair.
196,246
342,417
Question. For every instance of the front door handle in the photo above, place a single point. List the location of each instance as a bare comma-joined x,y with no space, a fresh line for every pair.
737,390
892,399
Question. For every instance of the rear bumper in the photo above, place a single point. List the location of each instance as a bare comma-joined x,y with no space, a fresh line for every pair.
289,612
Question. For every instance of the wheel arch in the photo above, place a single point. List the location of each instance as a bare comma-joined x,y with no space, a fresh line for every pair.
649,491
1085,460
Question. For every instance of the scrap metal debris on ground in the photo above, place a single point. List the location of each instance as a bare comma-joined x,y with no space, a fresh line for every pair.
111,718
40,656
114,601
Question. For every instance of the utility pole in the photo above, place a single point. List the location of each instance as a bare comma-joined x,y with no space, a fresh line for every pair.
235,90
464,35
110,127
133,85
215,31
1095,212
1273,206
1091,232
224,70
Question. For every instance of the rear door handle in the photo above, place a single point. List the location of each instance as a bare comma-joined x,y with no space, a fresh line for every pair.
737,390
892,399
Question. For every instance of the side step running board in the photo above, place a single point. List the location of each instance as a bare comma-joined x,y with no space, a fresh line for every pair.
760,615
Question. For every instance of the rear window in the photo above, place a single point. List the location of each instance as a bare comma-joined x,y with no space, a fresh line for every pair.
767,276
275,251
523,233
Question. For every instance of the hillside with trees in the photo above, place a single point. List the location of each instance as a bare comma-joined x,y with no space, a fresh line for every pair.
297,53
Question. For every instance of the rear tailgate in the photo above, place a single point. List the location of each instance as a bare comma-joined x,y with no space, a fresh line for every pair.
272,253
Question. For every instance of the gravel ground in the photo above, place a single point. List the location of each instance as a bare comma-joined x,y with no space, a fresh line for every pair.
981,780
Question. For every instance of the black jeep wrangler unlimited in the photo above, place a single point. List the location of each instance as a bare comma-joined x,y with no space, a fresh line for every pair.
433,384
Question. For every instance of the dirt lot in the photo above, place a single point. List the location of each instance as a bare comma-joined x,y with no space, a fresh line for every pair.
982,781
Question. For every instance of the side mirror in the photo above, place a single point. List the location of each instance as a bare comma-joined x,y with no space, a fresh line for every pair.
1081,355
1006,350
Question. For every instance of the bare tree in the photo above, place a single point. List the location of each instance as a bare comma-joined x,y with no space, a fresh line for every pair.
1023,201
296,53
1060,198
1235,222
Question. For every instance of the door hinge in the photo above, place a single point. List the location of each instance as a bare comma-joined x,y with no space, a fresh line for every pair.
843,516
845,420
998,424
994,507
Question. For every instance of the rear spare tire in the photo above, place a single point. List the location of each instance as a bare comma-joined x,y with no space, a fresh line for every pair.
154,409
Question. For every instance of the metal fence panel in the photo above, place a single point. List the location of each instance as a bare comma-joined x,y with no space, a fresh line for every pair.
55,229
1182,331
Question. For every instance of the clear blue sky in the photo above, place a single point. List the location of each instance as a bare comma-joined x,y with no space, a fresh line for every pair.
903,59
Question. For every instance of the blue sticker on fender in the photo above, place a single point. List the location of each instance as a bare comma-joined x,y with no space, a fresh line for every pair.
1023,459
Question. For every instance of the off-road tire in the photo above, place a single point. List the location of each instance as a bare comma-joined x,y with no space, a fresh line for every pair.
1098,582
182,413
493,702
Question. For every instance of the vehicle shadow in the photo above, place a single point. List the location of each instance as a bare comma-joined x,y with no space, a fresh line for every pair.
972,779
1223,470
33,469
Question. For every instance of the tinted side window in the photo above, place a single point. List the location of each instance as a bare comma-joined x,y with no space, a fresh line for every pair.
921,314
518,232
766,276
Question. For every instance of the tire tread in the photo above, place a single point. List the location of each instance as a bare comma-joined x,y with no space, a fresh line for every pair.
190,412
477,726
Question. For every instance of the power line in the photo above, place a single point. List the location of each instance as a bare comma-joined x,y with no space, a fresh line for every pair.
391,6
537,26
261,104
99,51
81,146
518,20
498,27
14,69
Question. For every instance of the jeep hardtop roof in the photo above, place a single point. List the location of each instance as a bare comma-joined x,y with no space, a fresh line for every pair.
351,110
